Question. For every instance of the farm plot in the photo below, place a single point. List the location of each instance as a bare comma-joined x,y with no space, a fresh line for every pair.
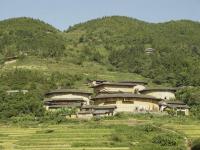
191,131
85,137
56,137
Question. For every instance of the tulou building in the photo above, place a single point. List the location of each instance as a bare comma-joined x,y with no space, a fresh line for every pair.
109,98
66,98
162,93
123,87
128,102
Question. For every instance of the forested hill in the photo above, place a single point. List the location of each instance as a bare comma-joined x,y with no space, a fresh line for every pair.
26,35
121,41
117,43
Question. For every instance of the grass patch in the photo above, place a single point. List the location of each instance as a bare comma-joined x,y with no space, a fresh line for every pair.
3,135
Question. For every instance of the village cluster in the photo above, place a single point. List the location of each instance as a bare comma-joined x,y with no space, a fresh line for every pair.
109,98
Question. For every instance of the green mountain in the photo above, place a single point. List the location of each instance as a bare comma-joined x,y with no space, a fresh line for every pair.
30,36
116,43
121,41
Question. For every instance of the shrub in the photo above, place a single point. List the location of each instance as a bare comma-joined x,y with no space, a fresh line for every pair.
149,128
165,140
171,112
117,137
196,144
45,131
23,118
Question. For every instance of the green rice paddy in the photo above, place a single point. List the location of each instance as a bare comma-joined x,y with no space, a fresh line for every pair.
116,134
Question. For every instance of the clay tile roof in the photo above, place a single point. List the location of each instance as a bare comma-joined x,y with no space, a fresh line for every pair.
115,84
11,58
63,99
134,82
124,95
99,107
65,106
68,91
85,112
159,89
177,106
96,112
174,104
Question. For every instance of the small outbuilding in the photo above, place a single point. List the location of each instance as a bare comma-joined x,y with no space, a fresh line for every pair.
96,82
149,50
10,60
177,106
89,111
9,92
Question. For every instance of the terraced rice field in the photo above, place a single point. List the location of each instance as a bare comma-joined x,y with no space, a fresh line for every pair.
191,131
103,135
56,137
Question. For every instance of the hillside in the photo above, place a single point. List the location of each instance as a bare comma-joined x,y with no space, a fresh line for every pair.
117,43
121,41
29,36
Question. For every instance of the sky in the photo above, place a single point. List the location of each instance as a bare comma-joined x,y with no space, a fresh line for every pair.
64,13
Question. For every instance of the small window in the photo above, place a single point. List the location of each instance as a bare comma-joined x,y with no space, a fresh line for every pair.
110,102
128,102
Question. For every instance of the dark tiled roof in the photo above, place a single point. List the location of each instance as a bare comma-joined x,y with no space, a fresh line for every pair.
150,49
98,112
159,89
134,82
11,58
63,99
115,84
177,106
124,95
99,80
85,112
65,106
174,104
68,91
99,107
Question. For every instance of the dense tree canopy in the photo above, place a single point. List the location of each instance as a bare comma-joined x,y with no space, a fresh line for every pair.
121,41
28,36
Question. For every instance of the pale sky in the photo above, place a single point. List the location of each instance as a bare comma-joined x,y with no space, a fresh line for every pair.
63,13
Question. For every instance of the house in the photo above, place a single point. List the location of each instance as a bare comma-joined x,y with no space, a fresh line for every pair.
96,82
55,103
128,102
161,93
177,106
149,50
110,87
10,60
66,98
9,92
89,111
